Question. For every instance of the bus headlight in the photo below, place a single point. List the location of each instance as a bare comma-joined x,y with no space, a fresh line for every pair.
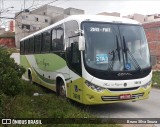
94,87
146,85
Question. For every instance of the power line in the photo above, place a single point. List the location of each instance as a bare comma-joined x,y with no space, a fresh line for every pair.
6,18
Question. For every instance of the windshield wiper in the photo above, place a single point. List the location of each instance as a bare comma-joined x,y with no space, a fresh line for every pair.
126,51
114,54
118,49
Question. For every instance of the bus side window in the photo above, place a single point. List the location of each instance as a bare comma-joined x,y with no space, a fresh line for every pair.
22,47
38,43
31,42
54,40
26,46
57,39
46,43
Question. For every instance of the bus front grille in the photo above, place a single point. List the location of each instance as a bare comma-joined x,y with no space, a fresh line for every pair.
122,89
117,98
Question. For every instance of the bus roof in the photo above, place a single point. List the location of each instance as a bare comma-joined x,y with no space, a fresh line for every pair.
81,18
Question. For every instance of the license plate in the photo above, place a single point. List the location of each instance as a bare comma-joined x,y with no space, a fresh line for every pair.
125,96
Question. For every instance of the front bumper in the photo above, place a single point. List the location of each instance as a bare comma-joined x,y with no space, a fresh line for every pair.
91,97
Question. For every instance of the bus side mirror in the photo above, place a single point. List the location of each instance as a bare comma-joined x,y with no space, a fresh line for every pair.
81,43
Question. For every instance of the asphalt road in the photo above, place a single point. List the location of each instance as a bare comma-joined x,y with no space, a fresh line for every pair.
149,108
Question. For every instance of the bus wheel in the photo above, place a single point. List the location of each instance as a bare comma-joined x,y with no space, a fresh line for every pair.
30,77
61,90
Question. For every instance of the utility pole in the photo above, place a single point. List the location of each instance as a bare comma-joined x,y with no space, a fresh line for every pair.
0,12
24,4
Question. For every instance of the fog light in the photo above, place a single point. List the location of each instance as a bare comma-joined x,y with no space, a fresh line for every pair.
94,87
147,84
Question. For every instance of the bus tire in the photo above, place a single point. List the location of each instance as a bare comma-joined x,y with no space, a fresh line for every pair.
30,77
60,89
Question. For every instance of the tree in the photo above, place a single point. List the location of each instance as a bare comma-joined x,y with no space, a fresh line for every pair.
10,74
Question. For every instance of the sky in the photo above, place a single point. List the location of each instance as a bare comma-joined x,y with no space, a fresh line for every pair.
124,7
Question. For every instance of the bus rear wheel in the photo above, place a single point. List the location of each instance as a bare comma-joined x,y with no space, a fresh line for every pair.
30,77
61,90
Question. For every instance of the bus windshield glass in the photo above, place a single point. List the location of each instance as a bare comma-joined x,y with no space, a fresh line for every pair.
115,47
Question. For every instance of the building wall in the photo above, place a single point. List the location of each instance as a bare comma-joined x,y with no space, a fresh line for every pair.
73,11
138,17
110,14
8,42
2,31
49,10
27,23
153,36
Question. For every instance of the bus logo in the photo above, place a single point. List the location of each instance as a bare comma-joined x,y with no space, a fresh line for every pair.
124,74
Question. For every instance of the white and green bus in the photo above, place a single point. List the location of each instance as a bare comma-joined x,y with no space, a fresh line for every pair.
91,59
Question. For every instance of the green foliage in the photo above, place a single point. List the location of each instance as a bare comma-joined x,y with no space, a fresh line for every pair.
46,105
10,74
156,79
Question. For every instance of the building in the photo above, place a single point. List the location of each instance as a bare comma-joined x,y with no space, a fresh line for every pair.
2,30
11,26
7,39
28,22
153,18
138,17
152,30
110,14
144,18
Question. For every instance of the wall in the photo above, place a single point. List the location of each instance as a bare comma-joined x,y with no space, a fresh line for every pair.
48,10
110,14
152,30
8,42
73,11
30,19
2,31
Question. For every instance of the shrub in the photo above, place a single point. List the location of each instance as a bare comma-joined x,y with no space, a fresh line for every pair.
10,74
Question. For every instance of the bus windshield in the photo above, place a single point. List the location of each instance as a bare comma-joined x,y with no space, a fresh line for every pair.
115,47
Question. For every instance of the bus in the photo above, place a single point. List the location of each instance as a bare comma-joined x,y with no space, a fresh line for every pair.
91,59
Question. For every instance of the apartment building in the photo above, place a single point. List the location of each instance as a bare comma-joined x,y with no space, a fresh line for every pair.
28,22
110,14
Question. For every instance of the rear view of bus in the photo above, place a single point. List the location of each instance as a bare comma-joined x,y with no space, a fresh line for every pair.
116,61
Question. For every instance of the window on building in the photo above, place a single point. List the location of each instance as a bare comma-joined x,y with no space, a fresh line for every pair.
46,43
23,17
33,28
46,20
57,39
44,13
26,16
36,19
38,43
25,26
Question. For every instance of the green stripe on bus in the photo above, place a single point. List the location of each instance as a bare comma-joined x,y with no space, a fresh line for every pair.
50,81
49,62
